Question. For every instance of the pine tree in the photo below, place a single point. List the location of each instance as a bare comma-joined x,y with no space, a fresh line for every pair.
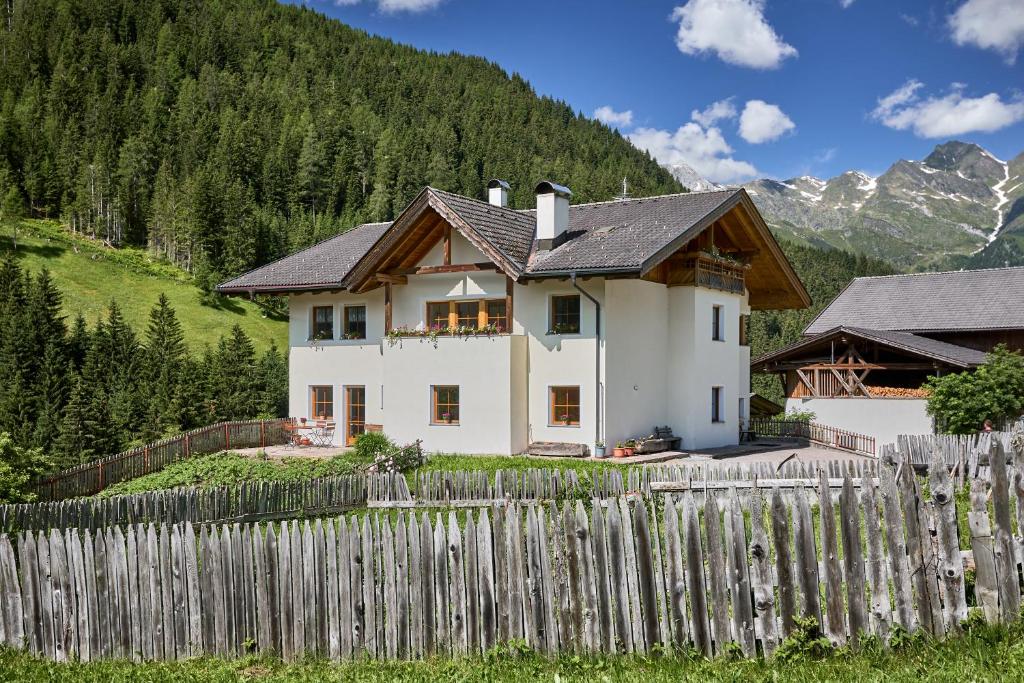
74,441
233,377
165,355
272,378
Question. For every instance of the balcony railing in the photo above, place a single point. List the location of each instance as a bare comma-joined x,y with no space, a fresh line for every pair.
716,273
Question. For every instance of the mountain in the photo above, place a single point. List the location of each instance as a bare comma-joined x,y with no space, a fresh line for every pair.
690,179
223,134
959,207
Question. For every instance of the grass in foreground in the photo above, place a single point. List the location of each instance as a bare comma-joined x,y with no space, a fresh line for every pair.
89,275
226,469
985,653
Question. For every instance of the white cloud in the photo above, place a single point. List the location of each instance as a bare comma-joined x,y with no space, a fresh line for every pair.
845,3
615,119
703,149
396,6
826,155
949,115
735,30
722,109
763,122
990,24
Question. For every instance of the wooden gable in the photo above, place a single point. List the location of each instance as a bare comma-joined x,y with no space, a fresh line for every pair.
752,257
425,224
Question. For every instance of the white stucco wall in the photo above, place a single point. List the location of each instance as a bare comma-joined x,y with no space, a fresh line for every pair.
882,418
482,368
559,360
697,363
638,358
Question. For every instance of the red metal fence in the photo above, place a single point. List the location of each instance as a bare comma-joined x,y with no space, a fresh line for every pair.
833,437
92,477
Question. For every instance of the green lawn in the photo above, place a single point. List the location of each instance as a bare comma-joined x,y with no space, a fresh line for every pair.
89,275
228,469
984,654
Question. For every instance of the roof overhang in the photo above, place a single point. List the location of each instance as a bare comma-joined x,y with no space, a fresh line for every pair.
361,277
793,351
785,290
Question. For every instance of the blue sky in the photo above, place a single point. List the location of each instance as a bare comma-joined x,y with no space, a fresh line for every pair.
802,86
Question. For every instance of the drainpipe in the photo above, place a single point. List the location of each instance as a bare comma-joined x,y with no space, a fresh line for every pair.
597,356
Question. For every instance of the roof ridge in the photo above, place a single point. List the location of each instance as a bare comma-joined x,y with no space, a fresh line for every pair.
643,199
517,212
937,272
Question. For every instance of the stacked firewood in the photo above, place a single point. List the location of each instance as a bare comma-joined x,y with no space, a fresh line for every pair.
898,392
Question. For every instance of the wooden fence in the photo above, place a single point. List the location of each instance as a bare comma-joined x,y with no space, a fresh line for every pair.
267,501
833,437
624,576
92,477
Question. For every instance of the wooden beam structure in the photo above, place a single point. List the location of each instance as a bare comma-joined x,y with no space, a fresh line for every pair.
447,237
392,279
509,290
387,308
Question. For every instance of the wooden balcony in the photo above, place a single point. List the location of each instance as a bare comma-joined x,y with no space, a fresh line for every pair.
704,270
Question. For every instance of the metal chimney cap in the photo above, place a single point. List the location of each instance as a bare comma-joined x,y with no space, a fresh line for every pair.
495,183
548,187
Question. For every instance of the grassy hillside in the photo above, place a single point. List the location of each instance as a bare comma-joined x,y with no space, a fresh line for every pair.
89,275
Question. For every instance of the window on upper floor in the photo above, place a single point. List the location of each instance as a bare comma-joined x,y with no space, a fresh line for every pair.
444,407
355,322
467,313
322,323
565,407
717,324
716,405
565,314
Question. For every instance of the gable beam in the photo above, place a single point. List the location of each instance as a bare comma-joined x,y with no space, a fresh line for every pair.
447,237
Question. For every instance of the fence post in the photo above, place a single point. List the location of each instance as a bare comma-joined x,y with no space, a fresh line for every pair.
263,435
227,441
101,475
145,459
186,445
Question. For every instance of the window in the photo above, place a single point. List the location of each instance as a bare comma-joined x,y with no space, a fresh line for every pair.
467,314
322,403
496,314
323,323
355,322
716,405
445,408
744,330
565,406
437,315
717,333
565,314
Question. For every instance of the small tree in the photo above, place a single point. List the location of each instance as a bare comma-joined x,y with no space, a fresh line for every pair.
13,209
961,402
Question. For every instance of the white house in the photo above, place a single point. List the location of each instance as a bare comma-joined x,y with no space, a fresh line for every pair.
479,328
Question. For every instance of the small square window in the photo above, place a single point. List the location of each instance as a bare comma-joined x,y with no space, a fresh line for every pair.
565,407
355,322
716,405
496,314
323,323
445,408
565,314
717,331
437,315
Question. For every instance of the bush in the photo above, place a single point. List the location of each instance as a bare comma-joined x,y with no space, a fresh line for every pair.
18,467
370,445
400,459
961,402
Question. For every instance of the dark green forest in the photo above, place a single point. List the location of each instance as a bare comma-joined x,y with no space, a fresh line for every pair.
71,394
224,133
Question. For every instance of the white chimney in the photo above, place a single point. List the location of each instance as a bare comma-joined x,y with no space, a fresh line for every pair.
552,213
497,192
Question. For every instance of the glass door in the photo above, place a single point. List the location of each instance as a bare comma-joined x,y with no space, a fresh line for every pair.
355,413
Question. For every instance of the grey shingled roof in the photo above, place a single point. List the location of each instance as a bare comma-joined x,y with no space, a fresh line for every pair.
325,263
964,300
614,236
623,234
509,231
906,341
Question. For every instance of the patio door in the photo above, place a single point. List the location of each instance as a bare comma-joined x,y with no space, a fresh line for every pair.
355,413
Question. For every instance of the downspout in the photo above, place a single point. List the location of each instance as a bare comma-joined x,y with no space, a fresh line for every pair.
597,356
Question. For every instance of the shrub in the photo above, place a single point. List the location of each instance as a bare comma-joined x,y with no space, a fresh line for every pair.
961,402
18,467
370,445
400,459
